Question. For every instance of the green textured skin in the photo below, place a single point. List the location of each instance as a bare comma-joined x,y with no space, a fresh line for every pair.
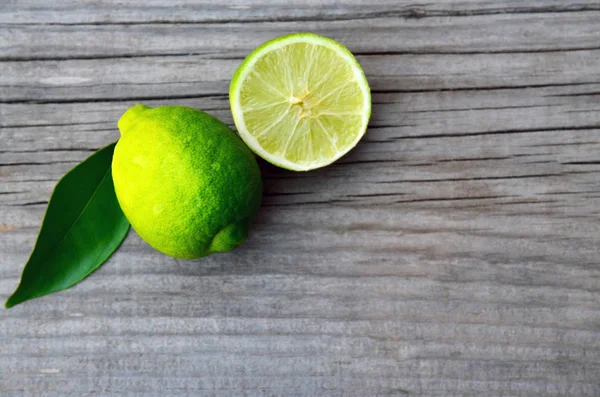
186,182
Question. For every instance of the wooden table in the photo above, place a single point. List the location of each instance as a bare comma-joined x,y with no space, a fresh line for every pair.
454,252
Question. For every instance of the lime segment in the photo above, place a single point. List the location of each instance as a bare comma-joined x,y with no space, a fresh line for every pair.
300,101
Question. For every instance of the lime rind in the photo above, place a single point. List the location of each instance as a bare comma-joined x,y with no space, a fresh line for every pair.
324,126
185,181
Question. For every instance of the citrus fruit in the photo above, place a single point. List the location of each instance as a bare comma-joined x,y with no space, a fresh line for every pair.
300,101
185,181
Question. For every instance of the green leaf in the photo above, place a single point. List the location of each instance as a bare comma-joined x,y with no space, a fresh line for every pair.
82,227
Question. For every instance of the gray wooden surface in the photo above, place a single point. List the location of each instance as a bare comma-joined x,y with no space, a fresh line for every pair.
454,252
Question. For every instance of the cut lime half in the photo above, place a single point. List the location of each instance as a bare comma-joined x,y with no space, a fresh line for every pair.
300,101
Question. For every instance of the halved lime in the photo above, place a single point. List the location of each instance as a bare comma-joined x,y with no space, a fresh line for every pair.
300,101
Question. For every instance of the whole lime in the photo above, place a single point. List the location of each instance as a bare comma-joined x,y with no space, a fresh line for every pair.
185,181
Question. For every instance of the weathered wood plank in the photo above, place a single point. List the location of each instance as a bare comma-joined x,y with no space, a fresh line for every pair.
201,11
454,252
291,319
466,35
195,76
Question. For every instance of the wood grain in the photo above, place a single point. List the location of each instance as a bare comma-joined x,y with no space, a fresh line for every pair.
454,252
